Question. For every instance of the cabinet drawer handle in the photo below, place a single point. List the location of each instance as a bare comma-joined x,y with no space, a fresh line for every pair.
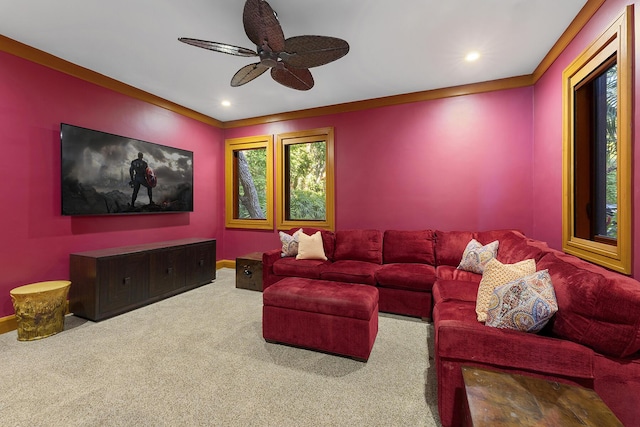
201,263
169,270
126,281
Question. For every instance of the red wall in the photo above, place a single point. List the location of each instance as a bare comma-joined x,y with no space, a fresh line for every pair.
456,163
475,162
36,239
547,124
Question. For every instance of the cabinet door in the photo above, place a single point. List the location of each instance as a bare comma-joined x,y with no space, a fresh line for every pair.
124,280
167,271
201,263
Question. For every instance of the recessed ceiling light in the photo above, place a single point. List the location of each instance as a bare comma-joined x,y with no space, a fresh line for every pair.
226,103
472,56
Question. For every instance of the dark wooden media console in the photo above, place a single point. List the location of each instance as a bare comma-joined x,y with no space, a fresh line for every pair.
108,282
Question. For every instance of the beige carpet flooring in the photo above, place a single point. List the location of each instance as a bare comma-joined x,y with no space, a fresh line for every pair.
199,359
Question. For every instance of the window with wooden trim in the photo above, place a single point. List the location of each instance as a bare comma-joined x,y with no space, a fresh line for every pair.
249,182
304,177
597,104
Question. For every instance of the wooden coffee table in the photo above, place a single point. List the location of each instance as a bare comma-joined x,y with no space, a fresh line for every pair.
501,399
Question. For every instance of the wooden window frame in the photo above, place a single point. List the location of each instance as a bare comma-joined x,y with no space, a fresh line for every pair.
231,181
309,136
616,40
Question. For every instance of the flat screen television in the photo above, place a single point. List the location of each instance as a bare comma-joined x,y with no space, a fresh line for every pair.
105,174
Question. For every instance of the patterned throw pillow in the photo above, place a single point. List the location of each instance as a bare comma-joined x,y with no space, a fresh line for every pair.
476,256
289,243
524,305
497,274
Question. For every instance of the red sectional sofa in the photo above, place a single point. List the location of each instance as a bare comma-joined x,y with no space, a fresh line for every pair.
400,263
593,340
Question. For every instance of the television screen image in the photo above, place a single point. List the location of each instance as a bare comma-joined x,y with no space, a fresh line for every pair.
104,174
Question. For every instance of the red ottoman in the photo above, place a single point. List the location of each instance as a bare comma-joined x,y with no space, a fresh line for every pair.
339,318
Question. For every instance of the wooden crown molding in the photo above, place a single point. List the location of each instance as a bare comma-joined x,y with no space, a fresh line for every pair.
32,54
39,57
578,23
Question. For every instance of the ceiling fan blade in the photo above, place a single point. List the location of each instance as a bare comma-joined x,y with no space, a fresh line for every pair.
262,26
247,73
219,47
295,78
313,51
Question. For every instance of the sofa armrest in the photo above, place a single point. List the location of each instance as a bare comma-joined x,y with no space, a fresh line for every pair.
268,259
504,348
460,343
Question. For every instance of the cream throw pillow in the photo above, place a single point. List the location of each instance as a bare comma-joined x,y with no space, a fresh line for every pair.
310,247
498,274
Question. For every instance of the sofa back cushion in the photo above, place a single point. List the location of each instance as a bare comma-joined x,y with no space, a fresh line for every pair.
513,245
450,246
449,272
597,311
401,246
358,245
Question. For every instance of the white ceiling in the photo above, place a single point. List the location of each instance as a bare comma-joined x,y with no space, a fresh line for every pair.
396,47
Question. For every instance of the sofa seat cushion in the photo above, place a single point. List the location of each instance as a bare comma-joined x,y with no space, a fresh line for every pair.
291,267
358,245
457,310
410,276
456,290
321,296
461,337
351,272
596,311
409,246
448,272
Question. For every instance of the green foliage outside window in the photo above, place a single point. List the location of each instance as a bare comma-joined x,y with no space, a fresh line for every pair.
612,152
252,179
307,168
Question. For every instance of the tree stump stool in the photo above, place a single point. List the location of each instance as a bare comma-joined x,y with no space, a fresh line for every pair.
40,308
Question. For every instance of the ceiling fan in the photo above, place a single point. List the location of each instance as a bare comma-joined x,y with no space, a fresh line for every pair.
289,60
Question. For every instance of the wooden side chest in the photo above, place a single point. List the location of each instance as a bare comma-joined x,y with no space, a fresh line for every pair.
249,271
